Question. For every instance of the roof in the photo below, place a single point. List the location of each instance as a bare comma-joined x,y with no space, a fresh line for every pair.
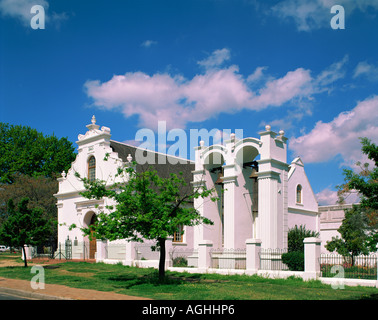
163,164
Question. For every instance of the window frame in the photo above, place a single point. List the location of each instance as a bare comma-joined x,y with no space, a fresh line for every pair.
178,236
90,168
299,189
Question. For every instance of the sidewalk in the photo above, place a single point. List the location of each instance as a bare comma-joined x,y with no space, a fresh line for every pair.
22,288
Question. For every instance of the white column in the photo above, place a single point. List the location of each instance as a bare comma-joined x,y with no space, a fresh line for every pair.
229,213
198,183
312,255
267,211
253,248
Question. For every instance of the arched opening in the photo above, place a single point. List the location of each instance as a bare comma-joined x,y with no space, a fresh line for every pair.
90,245
92,239
246,157
92,168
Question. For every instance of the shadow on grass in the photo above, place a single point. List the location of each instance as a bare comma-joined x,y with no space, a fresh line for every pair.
128,281
373,296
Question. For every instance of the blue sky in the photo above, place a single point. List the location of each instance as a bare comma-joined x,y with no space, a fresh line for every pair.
225,64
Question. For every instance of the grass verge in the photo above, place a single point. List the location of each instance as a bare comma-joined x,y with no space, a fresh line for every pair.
185,286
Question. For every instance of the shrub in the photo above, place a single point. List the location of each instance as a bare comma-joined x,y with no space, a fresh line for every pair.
294,260
296,236
180,262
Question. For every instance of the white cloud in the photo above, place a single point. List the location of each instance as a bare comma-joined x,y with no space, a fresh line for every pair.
178,100
315,14
331,74
329,197
365,69
148,43
216,59
20,9
340,136
326,197
257,74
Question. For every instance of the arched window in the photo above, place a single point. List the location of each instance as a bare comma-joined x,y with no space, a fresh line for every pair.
92,168
299,193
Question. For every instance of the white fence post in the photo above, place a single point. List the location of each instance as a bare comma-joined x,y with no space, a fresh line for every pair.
28,252
130,253
253,248
168,249
204,256
101,250
312,255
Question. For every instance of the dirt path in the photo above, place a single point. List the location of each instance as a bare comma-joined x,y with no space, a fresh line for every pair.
53,291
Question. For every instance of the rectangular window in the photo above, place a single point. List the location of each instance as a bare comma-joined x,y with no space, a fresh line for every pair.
178,235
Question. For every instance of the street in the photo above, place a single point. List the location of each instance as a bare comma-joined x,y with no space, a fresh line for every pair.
7,296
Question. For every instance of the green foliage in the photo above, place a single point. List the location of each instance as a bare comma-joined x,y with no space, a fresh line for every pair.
353,239
25,150
147,207
294,260
296,236
365,183
179,262
40,191
24,226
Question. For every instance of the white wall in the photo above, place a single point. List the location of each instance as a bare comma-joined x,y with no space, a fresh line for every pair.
72,207
306,212
330,220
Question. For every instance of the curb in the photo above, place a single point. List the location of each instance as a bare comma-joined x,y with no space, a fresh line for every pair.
30,295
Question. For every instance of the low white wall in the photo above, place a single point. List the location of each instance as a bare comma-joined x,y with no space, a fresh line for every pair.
274,274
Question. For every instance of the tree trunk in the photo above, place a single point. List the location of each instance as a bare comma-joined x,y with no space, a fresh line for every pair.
25,260
162,259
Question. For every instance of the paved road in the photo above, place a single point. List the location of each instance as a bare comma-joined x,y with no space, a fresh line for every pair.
6,296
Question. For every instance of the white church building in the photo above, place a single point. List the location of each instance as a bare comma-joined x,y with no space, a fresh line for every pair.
263,195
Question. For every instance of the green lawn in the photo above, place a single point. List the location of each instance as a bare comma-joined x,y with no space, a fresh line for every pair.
184,286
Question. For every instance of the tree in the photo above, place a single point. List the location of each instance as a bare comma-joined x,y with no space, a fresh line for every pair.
25,150
148,207
296,236
40,191
365,183
353,234
24,227
294,258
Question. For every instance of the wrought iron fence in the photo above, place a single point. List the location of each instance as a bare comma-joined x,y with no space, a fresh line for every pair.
228,258
360,267
59,251
271,259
